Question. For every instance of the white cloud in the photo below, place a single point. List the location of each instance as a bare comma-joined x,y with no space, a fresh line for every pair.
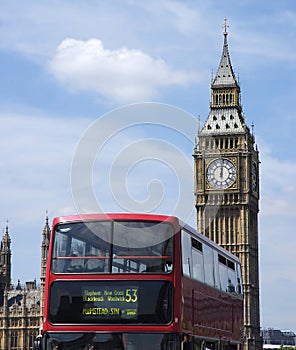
125,75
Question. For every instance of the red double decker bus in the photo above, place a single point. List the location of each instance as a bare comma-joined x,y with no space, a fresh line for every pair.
137,282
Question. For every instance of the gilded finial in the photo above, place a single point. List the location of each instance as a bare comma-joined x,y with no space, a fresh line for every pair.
225,26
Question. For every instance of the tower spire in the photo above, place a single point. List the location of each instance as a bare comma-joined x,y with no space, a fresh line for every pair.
225,109
225,76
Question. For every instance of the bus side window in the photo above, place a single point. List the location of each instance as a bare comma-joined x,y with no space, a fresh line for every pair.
186,254
197,262
209,265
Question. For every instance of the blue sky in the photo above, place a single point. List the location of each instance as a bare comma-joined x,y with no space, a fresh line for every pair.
65,64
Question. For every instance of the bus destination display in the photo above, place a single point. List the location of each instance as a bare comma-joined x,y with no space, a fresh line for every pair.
109,301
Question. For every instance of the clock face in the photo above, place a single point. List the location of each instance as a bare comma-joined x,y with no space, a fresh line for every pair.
221,173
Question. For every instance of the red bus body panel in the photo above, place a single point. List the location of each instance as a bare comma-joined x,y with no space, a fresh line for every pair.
209,312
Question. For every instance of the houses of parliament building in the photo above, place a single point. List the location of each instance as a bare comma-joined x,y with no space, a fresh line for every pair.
21,307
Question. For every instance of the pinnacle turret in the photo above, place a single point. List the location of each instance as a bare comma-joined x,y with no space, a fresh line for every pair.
5,262
46,232
44,250
6,239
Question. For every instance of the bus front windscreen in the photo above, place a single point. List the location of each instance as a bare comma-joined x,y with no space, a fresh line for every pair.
113,247
111,302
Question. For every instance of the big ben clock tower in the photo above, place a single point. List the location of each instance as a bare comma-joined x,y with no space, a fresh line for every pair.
226,186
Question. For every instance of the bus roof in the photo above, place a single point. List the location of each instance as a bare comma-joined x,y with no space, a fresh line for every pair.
114,216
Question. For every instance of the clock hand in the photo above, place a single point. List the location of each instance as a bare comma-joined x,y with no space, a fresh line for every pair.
221,172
